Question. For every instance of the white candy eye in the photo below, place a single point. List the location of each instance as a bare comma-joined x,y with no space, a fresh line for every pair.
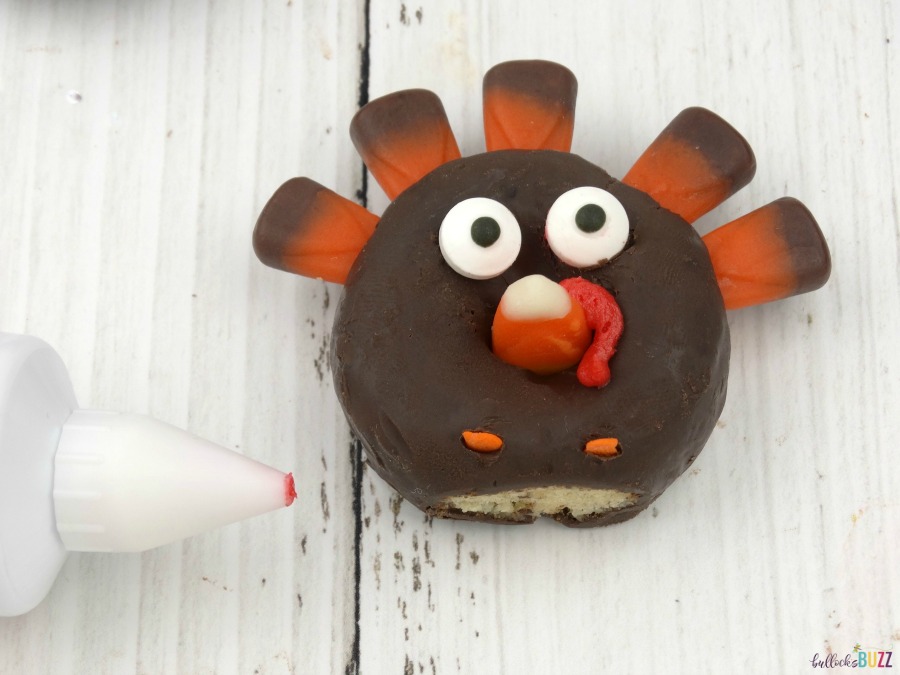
480,238
586,227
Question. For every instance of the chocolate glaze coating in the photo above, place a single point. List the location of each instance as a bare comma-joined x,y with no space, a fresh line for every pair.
413,367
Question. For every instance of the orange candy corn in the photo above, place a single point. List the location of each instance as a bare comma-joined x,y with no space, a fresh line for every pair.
307,229
529,105
403,136
543,346
695,164
771,253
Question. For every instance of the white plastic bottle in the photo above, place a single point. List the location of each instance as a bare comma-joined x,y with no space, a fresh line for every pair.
84,480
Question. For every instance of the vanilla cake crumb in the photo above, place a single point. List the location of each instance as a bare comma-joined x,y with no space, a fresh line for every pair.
578,502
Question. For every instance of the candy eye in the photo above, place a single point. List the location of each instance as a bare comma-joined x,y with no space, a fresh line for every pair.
480,238
586,227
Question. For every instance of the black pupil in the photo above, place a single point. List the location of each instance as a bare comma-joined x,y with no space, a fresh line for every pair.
485,231
590,218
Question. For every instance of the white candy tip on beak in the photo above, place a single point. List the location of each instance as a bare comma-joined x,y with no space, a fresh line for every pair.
535,298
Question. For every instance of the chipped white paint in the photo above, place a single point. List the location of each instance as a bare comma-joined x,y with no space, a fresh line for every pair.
140,140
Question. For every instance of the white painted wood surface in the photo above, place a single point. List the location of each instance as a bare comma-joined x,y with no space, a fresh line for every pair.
138,140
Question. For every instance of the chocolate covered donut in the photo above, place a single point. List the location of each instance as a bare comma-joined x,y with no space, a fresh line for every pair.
521,334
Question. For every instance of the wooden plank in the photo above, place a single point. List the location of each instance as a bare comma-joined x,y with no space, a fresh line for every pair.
775,546
147,138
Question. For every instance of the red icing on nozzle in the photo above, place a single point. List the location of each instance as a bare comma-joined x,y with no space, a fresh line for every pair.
290,492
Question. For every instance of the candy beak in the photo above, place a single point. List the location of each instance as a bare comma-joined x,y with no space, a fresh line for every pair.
539,327
547,327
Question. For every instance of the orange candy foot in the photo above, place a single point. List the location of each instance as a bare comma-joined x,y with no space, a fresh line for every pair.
482,441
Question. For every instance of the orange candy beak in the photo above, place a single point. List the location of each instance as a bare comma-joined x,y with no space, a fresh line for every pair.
539,327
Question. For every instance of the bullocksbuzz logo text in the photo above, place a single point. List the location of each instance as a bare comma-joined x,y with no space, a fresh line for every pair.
860,658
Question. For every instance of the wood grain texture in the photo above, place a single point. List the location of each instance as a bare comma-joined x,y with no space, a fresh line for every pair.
146,138
139,141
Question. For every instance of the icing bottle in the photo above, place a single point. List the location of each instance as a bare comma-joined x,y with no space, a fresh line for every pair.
87,480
